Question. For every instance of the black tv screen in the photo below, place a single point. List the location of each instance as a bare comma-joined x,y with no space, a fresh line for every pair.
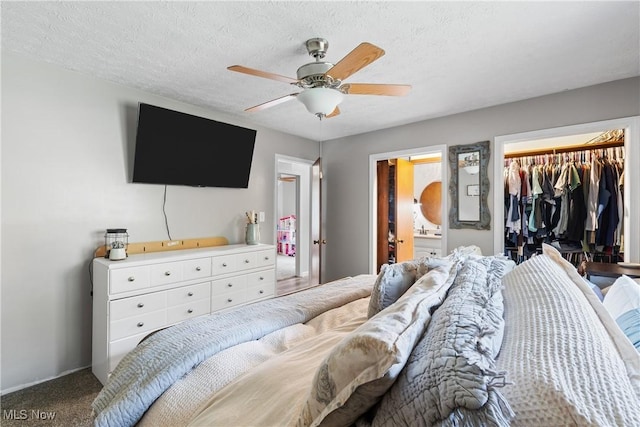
175,148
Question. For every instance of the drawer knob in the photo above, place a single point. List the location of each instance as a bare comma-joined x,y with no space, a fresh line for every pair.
261,291
140,305
266,258
224,264
190,294
230,285
190,311
198,268
261,278
229,300
131,279
140,324
246,261
167,273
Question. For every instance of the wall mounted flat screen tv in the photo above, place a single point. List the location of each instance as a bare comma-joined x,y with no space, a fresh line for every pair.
175,148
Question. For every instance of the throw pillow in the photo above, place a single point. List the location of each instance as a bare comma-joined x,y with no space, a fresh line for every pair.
450,378
595,288
392,282
362,367
622,301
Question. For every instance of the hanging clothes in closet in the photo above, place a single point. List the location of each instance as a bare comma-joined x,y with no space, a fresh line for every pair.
571,200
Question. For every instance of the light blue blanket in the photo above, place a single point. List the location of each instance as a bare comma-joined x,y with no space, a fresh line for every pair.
629,322
164,357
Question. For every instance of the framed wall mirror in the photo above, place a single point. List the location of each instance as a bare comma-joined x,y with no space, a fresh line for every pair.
469,186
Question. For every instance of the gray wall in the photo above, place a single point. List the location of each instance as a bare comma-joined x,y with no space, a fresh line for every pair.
287,196
67,143
346,160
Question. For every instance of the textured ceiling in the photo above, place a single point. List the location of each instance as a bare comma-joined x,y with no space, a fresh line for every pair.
458,56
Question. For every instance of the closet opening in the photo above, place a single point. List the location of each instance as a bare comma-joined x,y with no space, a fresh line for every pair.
567,192
631,176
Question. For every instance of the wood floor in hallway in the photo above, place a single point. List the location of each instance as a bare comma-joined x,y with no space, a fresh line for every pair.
291,284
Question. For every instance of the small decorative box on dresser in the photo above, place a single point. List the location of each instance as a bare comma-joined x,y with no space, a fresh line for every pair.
147,292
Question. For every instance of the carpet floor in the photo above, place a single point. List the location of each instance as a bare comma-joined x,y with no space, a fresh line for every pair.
64,401
285,267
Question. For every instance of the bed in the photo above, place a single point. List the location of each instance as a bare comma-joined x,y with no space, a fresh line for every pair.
463,340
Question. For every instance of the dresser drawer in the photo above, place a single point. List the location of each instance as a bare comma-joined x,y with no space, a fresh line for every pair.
188,293
232,284
219,302
128,279
247,261
135,306
260,291
261,277
196,268
118,349
223,264
265,258
137,324
185,311
168,272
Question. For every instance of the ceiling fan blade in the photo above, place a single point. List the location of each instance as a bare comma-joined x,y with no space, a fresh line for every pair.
265,74
375,89
271,103
334,113
364,54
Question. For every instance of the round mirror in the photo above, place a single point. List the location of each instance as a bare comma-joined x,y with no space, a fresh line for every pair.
431,202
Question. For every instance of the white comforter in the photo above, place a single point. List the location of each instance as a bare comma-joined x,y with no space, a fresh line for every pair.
178,405
566,361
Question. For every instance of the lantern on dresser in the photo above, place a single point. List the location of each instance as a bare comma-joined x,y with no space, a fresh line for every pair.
116,241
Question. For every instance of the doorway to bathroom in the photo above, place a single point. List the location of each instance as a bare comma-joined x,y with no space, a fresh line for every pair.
408,203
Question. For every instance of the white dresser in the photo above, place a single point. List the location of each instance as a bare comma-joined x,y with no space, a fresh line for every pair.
147,292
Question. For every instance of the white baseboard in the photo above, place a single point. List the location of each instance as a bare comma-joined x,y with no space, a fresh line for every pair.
23,386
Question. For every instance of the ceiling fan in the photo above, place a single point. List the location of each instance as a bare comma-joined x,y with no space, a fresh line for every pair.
322,82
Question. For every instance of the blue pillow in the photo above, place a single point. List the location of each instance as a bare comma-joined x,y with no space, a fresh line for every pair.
622,301
595,288
629,322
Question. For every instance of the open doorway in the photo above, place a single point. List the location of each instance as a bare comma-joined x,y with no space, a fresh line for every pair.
292,224
408,206
288,189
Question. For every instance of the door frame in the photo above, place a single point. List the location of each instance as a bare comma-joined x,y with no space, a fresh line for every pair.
631,125
373,185
301,168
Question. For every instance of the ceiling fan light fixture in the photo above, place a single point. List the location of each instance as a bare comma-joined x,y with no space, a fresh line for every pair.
322,82
320,100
